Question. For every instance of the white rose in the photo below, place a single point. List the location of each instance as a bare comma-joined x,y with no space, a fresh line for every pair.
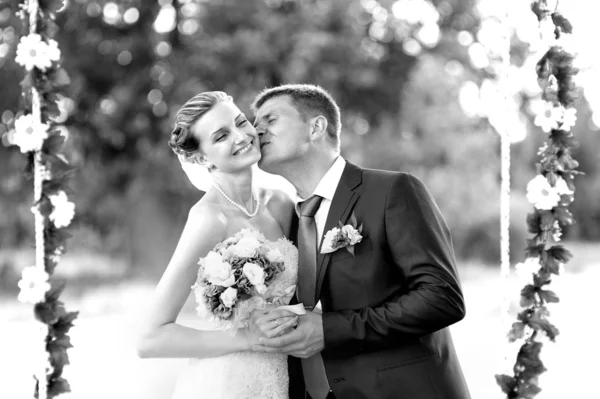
246,247
229,297
216,271
328,241
352,234
275,255
261,289
255,274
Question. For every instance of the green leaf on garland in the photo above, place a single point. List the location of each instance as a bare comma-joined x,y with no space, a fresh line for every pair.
528,296
564,138
538,321
544,68
568,162
28,172
64,342
560,253
516,332
58,182
552,265
524,315
564,216
64,323
27,82
561,22
528,365
533,222
51,109
546,220
60,78
539,280
534,250
58,386
552,178
528,391
548,296
569,177
56,237
55,291
540,9
58,353
58,164
45,206
45,312
507,383
53,144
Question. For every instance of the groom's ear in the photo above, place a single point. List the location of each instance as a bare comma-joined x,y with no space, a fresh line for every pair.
318,127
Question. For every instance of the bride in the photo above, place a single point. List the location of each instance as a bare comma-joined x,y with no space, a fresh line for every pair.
210,131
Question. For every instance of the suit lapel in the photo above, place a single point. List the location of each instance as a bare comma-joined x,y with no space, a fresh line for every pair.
341,207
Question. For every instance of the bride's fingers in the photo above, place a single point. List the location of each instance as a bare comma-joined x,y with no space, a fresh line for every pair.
281,327
268,326
275,314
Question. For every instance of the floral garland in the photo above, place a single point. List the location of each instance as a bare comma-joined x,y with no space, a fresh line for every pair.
36,134
551,192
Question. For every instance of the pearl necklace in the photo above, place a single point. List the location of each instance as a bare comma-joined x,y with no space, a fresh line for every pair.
240,207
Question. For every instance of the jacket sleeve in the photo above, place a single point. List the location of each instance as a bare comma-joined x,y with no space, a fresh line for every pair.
421,248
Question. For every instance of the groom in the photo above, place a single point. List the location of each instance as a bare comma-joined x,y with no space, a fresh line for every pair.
387,301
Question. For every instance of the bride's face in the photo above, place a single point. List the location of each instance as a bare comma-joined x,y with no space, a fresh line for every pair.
227,140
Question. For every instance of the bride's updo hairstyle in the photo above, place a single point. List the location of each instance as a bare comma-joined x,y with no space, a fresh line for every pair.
182,140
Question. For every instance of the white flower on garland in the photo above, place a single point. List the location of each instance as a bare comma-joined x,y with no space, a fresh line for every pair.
525,270
569,118
63,211
32,51
556,231
541,194
29,135
561,186
34,285
548,117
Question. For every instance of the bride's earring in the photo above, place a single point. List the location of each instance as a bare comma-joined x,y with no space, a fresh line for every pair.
202,161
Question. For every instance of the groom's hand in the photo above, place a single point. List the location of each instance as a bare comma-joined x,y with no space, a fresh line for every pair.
305,341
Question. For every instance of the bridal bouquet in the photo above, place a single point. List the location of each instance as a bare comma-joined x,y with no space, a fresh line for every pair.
237,269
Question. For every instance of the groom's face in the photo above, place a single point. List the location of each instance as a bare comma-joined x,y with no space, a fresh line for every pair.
284,133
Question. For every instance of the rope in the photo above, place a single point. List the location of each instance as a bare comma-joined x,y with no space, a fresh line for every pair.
505,184
39,169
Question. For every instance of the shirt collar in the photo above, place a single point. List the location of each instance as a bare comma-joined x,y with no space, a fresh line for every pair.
328,183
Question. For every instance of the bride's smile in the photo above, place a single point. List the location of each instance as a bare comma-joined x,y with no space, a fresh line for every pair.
244,149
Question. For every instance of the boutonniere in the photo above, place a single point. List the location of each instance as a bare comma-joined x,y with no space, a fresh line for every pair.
344,236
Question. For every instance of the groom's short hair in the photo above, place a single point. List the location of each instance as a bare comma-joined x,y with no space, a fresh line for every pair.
309,100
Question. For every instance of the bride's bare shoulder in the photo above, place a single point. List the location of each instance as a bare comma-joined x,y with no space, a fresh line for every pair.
277,200
207,212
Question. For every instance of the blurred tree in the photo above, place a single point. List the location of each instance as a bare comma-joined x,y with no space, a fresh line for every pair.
395,67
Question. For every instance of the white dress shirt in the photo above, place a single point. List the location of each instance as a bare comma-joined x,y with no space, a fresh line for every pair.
326,189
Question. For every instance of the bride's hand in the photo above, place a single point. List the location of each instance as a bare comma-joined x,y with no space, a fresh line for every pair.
267,323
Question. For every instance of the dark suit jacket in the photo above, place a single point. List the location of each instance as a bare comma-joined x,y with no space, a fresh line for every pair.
386,310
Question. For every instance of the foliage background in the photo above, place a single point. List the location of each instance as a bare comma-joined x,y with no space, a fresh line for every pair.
133,63
409,75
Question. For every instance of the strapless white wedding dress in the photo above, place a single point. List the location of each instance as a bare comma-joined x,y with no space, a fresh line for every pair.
243,375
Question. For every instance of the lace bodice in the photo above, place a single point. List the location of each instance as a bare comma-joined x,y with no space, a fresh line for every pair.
244,374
